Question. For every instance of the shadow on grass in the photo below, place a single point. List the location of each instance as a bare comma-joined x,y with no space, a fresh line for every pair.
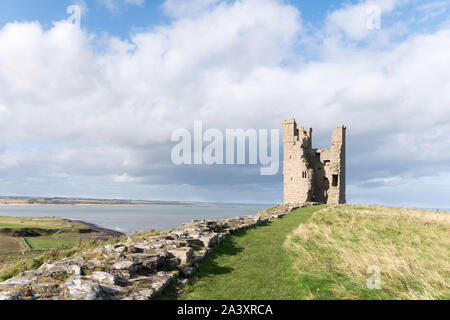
209,267
229,247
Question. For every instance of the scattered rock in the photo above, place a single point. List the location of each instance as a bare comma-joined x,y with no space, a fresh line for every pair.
76,288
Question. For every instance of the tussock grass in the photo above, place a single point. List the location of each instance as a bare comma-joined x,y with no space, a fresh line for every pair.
411,248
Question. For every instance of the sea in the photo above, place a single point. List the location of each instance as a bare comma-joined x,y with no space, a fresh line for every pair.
130,219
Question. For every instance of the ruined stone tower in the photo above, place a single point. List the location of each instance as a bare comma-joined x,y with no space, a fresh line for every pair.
313,174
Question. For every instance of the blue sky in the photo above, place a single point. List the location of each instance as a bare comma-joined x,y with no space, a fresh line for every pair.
97,18
120,19
126,17
90,112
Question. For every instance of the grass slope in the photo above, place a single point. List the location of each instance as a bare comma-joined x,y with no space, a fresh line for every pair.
409,247
251,264
324,253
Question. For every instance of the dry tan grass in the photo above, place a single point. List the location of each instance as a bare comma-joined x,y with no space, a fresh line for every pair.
411,248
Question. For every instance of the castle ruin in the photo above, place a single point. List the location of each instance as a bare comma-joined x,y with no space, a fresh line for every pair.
313,175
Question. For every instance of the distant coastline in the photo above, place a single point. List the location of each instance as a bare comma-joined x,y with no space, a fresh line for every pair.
81,201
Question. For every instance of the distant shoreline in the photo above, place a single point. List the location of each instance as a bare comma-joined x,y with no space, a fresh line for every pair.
6,201
108,204
101,230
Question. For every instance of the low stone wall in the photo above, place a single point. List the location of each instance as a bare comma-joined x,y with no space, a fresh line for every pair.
137,269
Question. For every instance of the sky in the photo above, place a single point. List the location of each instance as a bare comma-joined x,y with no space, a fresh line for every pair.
90,111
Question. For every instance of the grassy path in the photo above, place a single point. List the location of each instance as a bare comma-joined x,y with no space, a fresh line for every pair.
252,264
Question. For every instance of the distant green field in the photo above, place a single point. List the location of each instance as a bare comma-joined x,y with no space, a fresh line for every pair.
14,249
34,222
23,226
44,243
45,239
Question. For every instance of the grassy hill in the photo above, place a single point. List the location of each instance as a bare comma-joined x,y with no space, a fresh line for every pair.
324,252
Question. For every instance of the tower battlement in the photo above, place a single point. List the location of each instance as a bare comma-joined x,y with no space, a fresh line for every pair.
313,174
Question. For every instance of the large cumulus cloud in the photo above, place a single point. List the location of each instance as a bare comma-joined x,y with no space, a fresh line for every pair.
79,108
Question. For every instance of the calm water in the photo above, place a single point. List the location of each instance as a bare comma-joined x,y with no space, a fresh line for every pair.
130,219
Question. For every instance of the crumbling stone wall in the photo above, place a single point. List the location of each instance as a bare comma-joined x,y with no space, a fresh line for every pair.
313,174
137,269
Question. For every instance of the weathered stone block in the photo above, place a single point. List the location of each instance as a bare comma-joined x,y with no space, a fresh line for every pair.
125,265
76,288
184,255
103,277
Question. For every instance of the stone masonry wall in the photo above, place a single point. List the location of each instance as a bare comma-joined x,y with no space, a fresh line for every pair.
296,165
313,174
137,269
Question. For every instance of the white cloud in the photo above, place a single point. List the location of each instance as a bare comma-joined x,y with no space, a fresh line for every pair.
357,21
110,112
126,178
387,180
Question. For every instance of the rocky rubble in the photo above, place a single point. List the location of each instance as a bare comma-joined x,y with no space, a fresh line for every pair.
138,269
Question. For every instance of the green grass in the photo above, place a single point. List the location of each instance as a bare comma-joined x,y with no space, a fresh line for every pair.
44,243
47,223
8,259
23,226
324,253
251,264
33,261
15,263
